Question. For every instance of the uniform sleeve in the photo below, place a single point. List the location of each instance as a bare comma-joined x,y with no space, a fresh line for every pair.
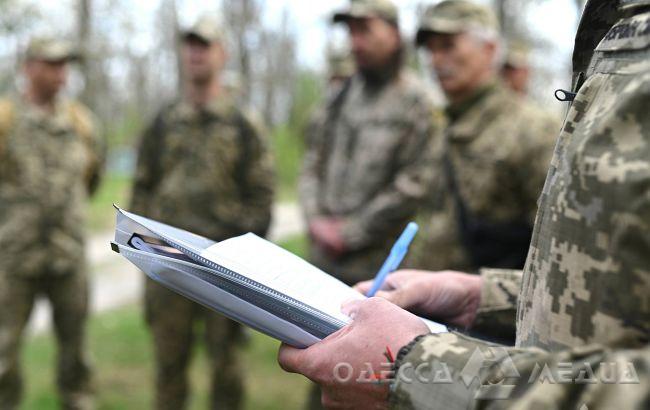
402,197
88,127
450,371
309,183
536,147
146,168
253,212
497,311
97,167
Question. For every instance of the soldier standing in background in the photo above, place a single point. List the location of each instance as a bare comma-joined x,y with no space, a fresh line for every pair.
581,304
516,69
496,149
204,167
368,162
365,170
50,163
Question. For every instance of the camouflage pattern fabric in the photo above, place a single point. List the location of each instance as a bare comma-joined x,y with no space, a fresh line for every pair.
49,165
68,295
583,316
370,164
207,171
500,146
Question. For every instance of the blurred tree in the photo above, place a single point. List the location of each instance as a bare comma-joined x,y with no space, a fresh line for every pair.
17,20
84,27
242,19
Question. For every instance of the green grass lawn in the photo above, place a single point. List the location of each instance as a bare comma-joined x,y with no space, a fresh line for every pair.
122,353
115,189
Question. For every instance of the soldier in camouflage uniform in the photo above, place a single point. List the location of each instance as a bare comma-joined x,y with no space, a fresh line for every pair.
496,151
204,167
365,170
516,69
581,305
50,162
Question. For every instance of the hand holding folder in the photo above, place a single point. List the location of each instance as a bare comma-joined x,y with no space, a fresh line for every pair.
246,278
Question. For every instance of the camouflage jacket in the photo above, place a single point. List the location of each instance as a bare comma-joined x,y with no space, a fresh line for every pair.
49,165
583,316
500,146
369,162
207,171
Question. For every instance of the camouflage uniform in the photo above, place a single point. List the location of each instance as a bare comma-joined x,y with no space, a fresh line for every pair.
500,147
207,171
494,157
369,163
583,297
49,165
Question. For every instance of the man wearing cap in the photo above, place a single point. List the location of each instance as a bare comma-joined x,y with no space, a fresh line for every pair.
581,304
203,166
366,169
515,71
368,163
51,158
496,150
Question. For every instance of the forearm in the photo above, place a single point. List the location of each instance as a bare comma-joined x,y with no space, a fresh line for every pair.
497,311
450,371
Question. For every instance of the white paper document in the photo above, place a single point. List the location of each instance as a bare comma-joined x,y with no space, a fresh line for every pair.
246,278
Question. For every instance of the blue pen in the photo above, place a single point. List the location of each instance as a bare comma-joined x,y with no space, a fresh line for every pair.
397,254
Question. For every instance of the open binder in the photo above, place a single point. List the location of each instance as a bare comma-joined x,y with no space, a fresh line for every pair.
245,278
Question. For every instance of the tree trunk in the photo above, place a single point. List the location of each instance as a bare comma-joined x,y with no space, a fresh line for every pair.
84,33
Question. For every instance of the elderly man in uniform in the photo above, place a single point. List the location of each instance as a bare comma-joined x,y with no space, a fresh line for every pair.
580,307
496,151
203,166
50,163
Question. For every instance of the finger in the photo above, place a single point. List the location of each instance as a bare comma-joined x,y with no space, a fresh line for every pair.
351,307
396,297
363,287
291,358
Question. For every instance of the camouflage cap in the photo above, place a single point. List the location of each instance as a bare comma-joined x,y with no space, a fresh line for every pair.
384,9
455,16
50,49
518,53
625,4
206,27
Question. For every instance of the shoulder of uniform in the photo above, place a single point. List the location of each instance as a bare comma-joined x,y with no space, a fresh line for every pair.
414,87
83,120
7,113
251,119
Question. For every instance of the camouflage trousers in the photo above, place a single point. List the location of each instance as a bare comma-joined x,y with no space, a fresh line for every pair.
68,296
172,320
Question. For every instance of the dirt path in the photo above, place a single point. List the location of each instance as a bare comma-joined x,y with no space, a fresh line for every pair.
117,283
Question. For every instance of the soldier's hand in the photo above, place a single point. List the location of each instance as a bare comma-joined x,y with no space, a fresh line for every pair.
327,232
452,297
349,363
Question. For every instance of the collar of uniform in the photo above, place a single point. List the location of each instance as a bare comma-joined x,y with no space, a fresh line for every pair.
55,120
219,106
468,118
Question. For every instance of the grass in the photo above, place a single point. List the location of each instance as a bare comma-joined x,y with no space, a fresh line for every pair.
121,349
115,189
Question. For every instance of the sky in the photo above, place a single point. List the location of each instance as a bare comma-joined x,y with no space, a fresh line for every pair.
553,20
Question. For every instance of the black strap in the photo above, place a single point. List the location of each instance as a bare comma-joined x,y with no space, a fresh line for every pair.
488,244
246,133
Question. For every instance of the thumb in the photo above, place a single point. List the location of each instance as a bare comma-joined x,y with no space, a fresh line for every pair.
394,296
290,358
363,287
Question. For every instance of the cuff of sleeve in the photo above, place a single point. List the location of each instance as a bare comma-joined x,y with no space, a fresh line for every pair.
429,373
499,290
